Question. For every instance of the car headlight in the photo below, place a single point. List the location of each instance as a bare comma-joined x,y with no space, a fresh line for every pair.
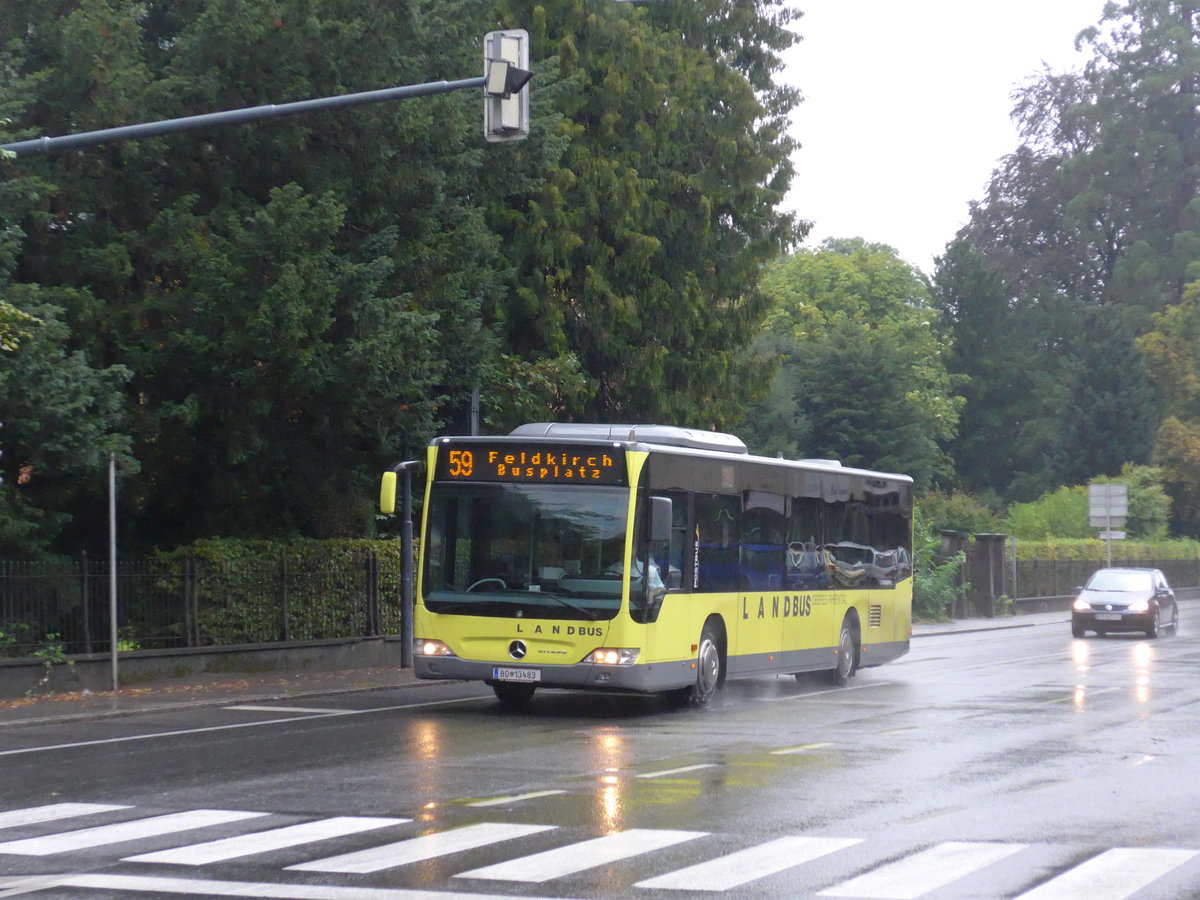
1081,605
613,656
428,647
1139,606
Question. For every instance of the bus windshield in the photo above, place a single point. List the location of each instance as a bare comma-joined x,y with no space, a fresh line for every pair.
545,551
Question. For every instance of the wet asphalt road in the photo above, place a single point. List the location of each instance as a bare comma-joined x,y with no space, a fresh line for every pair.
1012,763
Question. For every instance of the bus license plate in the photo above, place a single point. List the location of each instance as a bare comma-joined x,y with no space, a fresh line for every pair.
503,673
1108,617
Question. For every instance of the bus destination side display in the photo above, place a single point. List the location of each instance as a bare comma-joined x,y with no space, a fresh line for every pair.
543,463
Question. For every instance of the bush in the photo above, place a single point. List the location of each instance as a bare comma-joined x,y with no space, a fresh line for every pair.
959,511
935,581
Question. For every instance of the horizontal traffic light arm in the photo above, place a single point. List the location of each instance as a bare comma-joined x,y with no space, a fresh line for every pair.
237,116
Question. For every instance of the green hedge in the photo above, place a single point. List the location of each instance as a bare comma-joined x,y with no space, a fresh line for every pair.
261,591
1094,549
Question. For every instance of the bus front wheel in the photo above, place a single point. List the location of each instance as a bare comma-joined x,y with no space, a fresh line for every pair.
847,654
708,667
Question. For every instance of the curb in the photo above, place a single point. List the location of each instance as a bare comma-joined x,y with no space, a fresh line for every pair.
971,629
135,706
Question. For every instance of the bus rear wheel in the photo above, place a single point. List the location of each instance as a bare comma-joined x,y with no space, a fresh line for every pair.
513,695
847,654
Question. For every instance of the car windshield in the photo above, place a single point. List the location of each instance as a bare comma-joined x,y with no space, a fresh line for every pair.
1115,580
548,551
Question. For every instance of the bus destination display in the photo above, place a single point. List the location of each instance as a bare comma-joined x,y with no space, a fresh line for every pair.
540,463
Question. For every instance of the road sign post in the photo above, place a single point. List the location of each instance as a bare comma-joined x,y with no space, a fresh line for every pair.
1108,505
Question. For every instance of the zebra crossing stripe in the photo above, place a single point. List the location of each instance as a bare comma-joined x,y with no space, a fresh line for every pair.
748,865
197,887
1113,875
915,875
584,855
52,813
265,841
102,835
402,853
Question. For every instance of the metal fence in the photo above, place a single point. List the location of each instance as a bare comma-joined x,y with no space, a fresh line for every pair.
190,602
193,602
1056,578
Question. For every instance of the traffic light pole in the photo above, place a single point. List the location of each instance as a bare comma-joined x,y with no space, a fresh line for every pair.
237,116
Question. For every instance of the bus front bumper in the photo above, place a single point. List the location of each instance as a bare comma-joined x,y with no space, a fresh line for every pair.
646,678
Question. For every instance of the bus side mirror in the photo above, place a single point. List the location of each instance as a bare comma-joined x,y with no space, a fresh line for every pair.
387,493
660,518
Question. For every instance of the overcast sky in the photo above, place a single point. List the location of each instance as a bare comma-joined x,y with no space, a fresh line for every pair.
906,109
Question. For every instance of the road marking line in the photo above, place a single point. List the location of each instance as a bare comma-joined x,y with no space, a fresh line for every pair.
748,865
582,856
292,709
1113,875
53,812
430,846
205,888
799,748
1070,697
208,730
926,871
265,841
515,798
836,690
102,835
665,772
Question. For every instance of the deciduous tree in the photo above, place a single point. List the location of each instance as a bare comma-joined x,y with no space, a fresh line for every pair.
852,327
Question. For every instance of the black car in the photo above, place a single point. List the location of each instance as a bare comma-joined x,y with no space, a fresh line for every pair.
1125,600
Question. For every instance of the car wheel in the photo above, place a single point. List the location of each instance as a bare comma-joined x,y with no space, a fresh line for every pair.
847,655
1175,620
1152,631
1077,629
513,695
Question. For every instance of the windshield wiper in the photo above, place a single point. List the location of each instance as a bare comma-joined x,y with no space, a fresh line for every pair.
554,595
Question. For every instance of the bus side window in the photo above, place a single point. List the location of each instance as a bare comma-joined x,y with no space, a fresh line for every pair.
718,532
764,541
677,557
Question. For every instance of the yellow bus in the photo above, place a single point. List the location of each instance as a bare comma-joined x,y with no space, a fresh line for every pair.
647,558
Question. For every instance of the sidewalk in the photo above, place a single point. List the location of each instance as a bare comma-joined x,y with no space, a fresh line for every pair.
960,626
217,690
201,690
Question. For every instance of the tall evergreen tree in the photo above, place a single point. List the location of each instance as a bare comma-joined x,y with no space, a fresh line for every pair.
299,301
303,300
640,257
993,341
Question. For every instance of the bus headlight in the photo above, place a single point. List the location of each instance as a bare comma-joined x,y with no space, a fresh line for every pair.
427,647
612,656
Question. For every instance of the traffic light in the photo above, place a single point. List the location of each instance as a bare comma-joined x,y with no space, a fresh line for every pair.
506,91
